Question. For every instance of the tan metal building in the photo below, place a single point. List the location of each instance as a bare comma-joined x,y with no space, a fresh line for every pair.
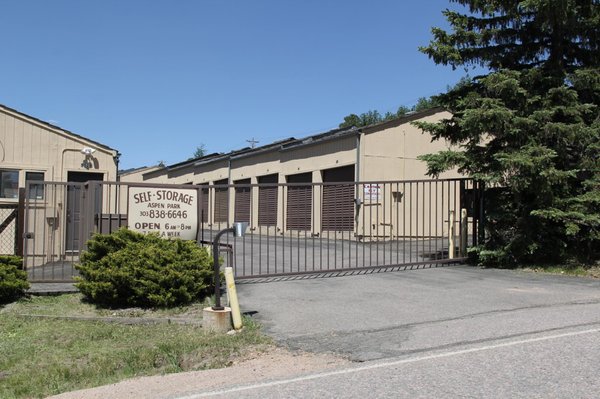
33,150
136,175
386,152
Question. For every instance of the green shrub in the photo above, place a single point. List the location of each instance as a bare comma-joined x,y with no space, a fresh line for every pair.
13,281
13,260
126,268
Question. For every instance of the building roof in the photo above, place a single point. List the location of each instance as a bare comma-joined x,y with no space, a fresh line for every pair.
192,161
292,143
276,145
408,117
124,172
319,138
54,127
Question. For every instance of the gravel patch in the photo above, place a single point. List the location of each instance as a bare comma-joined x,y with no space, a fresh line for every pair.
275,363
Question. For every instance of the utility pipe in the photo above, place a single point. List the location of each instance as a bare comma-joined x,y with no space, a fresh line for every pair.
217,277
239,230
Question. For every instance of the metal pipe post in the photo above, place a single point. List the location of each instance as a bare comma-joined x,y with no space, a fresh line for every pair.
216,267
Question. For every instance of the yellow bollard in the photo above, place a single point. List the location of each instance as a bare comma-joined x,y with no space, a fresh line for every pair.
233,299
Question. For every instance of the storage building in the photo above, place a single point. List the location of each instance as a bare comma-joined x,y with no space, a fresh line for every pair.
286,186
32,150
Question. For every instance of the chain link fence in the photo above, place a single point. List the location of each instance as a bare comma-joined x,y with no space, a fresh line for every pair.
8,228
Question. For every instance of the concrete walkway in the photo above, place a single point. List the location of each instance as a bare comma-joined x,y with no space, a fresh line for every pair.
51,288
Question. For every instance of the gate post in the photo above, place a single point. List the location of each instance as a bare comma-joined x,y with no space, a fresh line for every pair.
20,225
481,231
463,232
451,235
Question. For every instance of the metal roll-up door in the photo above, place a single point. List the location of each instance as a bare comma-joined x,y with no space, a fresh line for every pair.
221,201
299,203
267,201
242,201
338,199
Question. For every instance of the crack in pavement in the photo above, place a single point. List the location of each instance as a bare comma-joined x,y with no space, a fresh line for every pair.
378,343
456,318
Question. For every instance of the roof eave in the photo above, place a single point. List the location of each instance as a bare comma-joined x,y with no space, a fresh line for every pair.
326,137
60,130
402,120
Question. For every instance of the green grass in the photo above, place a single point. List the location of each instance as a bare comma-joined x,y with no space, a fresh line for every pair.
72,305
42,357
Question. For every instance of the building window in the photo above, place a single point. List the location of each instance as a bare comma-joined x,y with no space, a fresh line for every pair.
9,184
36,190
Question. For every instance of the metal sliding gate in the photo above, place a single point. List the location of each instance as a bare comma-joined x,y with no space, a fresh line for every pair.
295,228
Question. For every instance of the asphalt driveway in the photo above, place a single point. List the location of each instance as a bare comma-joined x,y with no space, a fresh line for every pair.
384,315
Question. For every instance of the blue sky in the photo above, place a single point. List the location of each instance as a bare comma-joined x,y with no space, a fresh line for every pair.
154,79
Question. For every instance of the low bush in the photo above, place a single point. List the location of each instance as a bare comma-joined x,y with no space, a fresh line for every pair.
13,280
127,268
15,261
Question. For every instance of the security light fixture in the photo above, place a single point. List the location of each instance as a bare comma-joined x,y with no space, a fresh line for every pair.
88,151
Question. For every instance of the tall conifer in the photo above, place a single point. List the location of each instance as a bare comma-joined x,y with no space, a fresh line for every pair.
530,128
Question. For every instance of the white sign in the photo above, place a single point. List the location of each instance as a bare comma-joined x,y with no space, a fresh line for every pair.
172,213
371,192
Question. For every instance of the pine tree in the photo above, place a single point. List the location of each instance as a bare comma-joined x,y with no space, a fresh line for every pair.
530,128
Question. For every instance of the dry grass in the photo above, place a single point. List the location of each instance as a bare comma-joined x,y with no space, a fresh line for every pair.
567,270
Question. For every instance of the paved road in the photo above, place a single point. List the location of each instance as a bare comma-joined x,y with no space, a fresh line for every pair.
559,365
445,332
381,315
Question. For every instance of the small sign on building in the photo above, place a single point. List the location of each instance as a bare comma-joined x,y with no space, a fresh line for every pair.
172,213
371,192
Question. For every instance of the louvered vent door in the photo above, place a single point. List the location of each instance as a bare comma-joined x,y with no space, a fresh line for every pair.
221,202
338,200
267,201
242,201
338,207
299,203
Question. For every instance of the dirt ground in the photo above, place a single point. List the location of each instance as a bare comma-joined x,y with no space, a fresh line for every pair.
274,363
